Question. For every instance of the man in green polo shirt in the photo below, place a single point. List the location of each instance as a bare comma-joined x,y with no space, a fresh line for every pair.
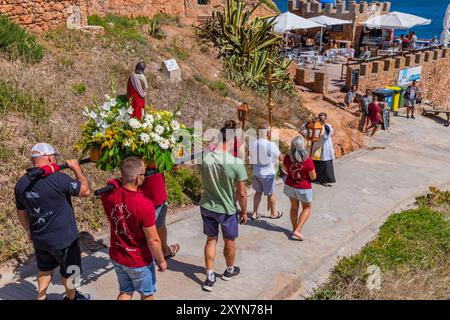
223,178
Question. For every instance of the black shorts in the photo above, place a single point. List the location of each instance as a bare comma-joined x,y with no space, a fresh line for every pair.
48,260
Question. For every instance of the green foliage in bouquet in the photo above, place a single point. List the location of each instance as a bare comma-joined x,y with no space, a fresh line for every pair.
111,129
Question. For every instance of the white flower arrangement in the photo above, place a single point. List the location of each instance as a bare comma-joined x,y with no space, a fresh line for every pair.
111,128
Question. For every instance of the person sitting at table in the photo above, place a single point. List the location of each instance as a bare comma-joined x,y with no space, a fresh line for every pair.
434,42
303,38
318,38
351,51
310,44
365,53
405,42
326,37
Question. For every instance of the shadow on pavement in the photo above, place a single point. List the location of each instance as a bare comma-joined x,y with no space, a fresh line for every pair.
436,118
260,223
26,271
189,270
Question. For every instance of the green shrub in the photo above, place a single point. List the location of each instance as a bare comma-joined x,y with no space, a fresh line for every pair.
174,191
17,42
165,19
248,48
183,186
15,100
96,20
79,88
220,87
189,180
155,29
120,28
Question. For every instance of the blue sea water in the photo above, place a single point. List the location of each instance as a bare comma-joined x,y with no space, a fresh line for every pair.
430,9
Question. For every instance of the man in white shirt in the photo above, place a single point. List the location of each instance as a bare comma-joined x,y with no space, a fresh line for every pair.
264,155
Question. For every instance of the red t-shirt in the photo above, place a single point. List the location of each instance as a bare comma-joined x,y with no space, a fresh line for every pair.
298,173
128,212
154,189
374,110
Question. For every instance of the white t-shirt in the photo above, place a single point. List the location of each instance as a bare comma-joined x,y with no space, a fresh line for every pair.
263,156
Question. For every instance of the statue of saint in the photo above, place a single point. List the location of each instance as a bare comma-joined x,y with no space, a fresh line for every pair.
137,90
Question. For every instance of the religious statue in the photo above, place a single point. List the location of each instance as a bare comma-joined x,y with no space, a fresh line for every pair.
137,90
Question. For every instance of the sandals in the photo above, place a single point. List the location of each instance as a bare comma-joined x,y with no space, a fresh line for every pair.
257,217
295,237
173,251
278,216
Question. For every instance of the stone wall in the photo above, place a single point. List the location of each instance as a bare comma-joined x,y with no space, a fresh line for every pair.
42,15
38,15
435,76
315,81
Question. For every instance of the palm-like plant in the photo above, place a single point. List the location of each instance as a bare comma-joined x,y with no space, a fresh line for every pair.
247,47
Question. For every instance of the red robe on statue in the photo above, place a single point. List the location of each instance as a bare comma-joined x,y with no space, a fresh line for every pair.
137,102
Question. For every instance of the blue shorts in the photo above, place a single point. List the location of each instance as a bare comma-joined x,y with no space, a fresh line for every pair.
142,280
161,212
212,220
303,195
264,184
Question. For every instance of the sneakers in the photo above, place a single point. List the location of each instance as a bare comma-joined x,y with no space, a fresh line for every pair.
79,296
228,275
208,285
412,117
407,116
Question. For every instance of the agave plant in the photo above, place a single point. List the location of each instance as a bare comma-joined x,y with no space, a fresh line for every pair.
247,47
155,29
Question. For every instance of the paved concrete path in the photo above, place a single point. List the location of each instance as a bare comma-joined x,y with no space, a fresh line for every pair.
372,183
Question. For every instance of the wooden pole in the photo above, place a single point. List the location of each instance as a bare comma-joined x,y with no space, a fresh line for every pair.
270,101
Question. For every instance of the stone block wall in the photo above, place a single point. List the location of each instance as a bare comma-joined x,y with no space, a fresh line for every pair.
38,15
42,15
319,81
435,76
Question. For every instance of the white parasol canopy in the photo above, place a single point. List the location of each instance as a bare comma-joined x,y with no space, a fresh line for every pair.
396,20
445,35
329,21
289,21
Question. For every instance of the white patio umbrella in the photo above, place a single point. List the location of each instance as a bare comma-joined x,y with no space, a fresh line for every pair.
289,21
328,21
396,20
445,35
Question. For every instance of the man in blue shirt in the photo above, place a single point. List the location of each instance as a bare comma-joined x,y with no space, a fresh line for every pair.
45,211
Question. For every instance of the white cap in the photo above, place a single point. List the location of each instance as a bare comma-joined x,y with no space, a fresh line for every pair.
42,149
